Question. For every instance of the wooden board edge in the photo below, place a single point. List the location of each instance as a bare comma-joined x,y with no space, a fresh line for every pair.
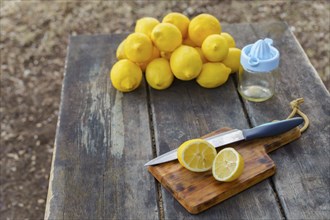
196,209
222,197
288,137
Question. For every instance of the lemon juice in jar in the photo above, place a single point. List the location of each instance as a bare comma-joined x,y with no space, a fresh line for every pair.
260,63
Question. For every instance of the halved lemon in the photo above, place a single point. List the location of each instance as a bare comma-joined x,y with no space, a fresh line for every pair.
228,165
196,155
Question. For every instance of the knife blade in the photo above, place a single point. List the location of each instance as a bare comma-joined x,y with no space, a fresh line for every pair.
235,135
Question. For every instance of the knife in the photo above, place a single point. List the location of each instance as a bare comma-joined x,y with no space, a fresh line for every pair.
261,131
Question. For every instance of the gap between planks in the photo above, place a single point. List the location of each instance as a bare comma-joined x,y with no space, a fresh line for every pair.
154,153
242,102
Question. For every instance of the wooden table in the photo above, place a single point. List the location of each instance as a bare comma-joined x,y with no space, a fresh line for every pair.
104,137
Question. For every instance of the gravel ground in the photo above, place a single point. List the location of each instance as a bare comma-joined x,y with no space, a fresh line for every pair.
33,45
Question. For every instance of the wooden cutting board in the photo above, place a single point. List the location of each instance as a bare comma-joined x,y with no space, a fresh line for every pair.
200,191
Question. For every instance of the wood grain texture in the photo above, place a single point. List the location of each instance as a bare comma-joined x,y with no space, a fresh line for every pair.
185,111
302,180
100,146
104,137
200,191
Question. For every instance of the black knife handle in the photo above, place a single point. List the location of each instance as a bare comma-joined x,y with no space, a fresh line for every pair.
272,128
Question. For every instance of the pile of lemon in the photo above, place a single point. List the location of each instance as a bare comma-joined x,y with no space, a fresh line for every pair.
178,48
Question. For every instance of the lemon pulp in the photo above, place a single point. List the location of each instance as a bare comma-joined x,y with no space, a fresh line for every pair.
228,165
196,155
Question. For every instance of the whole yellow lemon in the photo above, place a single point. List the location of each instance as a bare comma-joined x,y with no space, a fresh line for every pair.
145,25
120,53
179,20
215,48
213,75
125,75
229,38
232,60
167,37
158,74
186,63
138,47
202,26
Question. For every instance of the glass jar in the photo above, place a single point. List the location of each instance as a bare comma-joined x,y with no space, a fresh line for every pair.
260,61
257,86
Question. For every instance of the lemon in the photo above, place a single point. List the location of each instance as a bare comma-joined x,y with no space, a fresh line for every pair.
202,26
186,63
155,54
120,53
125,75
158,74
166,55
196,155
145,25
199,50
179,20
228,165
229,38
232,60
213,75
138,47
167,37
188,42
215,48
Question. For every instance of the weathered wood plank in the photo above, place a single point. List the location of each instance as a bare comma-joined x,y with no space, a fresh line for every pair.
302,179
130,192
103,137
185,111
102,141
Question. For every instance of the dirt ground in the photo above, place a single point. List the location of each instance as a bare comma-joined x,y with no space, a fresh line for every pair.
33,46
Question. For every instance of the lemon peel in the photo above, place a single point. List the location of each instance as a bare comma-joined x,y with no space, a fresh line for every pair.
120,52
155,54
125,75
188,42
167,37
229,38
186,63
138,47
145,25
213,75
199,50
166,55
158,74
232,59
215,48
202,26
179,20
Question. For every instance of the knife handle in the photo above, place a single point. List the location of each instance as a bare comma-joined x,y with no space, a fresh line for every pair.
272,128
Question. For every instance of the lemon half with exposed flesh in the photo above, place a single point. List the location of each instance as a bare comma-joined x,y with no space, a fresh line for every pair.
196,155
228,165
